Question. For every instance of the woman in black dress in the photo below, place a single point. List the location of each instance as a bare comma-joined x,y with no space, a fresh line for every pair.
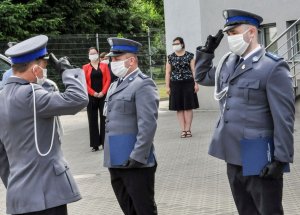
181,86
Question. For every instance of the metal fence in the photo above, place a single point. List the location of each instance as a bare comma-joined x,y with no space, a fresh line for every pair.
152,56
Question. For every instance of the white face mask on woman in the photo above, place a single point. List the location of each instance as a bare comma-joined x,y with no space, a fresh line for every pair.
237,44
93,57
177,48
118,68
105,61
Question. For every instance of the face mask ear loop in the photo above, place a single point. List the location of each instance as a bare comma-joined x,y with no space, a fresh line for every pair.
35,128
33,71
245,33
129,65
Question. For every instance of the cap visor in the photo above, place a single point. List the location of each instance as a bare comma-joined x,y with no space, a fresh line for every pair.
227,28
46,57
114,54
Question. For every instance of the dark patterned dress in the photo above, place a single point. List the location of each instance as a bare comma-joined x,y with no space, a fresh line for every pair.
182,96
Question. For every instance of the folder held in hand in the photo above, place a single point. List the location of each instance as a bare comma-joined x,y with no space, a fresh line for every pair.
256,153
121,146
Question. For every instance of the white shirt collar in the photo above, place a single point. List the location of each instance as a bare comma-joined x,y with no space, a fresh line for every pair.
252,52
130,73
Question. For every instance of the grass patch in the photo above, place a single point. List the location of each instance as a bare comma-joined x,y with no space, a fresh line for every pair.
161,86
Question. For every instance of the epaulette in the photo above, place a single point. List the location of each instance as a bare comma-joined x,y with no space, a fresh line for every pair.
273,56
143,76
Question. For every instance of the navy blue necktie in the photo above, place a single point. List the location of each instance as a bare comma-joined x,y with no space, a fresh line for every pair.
239,62
120,81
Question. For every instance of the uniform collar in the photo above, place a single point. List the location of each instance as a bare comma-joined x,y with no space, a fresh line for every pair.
129,78
131,74
16,79
247,64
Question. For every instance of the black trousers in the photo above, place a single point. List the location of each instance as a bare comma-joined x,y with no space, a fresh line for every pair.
134,189
254,195
60,210
95,110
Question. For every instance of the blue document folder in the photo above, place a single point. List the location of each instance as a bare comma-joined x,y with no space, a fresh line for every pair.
256,154
121,146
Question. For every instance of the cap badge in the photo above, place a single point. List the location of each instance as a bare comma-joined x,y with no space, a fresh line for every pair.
110,42
225,14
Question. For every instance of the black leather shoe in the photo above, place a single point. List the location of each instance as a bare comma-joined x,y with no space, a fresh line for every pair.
95,149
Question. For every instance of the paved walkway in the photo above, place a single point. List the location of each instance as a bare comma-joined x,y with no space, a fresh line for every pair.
188,180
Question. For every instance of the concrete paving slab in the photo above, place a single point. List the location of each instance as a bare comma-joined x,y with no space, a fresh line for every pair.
188,180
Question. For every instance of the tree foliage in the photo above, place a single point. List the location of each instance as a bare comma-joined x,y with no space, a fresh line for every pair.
21,18
145,15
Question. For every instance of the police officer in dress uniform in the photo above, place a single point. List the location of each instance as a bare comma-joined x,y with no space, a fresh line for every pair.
131,114
256,98
32,166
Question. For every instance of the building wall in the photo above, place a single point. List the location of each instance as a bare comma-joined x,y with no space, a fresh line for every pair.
194,20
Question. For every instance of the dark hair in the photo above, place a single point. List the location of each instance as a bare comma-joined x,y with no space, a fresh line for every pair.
20,67
180,40
93,48
23,67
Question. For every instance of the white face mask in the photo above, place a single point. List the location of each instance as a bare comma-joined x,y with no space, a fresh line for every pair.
237,44
177,48
105,61
93,57
41,81
118,68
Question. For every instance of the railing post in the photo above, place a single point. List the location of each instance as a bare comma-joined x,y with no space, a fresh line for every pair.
149,52
97,41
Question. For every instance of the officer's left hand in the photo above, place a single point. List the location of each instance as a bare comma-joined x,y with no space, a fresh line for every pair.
131,163
273,170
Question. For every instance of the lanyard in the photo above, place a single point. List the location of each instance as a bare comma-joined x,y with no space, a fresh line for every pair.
35,128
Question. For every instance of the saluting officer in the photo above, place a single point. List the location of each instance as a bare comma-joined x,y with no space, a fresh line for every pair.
32,166
131,115
256,97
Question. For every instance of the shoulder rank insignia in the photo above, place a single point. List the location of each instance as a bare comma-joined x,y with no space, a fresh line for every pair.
273,56
143,76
